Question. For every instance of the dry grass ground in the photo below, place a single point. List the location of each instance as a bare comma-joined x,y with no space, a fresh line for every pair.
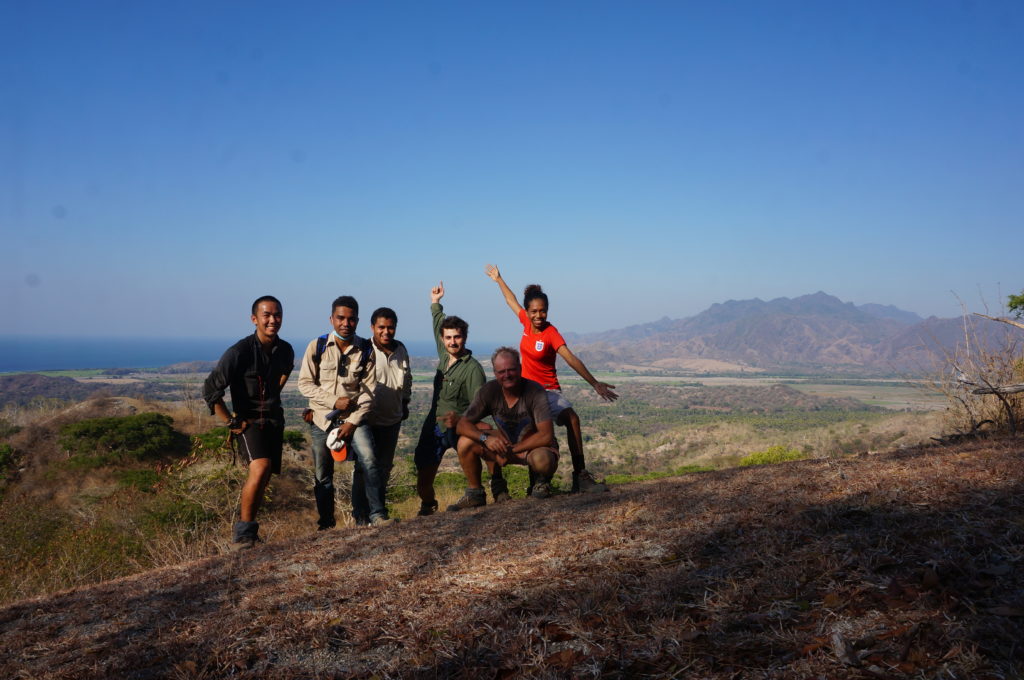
904,564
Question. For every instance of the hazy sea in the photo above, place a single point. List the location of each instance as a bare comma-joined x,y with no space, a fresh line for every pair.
37,353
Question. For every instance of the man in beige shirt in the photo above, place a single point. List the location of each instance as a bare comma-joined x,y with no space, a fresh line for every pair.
337,373
391,395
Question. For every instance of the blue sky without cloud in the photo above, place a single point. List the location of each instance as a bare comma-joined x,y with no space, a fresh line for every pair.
163,163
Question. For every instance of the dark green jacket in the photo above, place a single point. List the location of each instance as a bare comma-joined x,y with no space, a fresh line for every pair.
455,385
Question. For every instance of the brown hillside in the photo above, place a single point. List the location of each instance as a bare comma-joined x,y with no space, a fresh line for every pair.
898,565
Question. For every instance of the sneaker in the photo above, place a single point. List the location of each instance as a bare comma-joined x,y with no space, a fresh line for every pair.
541,490
584,482
499,490
381,521
427,508
473,498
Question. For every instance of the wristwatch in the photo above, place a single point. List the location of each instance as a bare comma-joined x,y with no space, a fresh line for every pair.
483,437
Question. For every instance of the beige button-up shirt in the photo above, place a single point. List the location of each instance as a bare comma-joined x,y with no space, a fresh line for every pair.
394,385
337,377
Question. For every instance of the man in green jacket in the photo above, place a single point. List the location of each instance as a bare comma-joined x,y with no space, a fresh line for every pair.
456,381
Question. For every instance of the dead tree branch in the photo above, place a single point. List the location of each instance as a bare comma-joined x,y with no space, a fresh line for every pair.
1001,319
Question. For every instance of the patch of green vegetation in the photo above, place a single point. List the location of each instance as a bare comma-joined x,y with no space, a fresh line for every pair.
8,428
74,373
173,512
212,440
102,441
773,454
143,480
678,472
6,459
295,439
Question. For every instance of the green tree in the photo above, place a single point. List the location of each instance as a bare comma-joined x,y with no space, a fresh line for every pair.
1016,305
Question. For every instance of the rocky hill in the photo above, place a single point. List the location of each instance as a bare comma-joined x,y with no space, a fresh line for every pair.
905,564
815,332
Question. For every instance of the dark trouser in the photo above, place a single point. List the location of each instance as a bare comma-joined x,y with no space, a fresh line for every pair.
385,440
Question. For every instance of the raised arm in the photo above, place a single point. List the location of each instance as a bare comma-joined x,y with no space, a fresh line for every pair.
603,389
437,317
510,297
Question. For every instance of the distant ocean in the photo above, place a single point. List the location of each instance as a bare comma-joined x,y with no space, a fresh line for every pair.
28,353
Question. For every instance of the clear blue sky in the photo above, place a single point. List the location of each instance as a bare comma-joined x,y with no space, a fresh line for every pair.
163,163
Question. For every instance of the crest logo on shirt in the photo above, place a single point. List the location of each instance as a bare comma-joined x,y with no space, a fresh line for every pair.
539,346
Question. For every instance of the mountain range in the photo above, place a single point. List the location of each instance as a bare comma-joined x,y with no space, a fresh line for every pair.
809,333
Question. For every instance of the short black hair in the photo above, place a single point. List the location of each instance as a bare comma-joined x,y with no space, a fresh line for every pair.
385,312
456,323
345,301
266,298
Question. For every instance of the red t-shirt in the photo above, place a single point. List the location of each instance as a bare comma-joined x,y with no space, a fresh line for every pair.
539,351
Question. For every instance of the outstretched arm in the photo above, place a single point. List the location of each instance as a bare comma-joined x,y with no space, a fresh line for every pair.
603,389
510,297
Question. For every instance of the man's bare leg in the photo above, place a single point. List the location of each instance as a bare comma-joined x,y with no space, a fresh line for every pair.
252,490
469,457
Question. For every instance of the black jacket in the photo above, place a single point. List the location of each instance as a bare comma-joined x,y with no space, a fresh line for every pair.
254,379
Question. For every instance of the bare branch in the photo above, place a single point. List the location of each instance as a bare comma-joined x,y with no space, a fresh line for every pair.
1002,389
1001,319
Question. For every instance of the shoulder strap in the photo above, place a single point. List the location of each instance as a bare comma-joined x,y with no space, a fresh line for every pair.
364,357
321,345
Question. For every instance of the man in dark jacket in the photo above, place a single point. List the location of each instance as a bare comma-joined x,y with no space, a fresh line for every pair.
254,369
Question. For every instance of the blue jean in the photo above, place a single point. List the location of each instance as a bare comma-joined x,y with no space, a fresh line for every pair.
323,477
368,481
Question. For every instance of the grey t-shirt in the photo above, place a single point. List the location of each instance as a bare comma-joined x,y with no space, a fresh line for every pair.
518,420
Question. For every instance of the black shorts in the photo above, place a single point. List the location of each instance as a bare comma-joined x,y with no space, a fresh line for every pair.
262,441
432,445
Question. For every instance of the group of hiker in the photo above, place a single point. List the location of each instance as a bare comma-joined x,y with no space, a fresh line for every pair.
359,391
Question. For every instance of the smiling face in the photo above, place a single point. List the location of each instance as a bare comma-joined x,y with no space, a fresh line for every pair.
507,371
267,320
344,320
454,341
384,331
537,311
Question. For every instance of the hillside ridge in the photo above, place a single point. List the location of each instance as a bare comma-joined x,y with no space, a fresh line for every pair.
888,564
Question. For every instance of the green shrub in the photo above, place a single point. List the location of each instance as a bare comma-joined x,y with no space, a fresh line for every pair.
7,428
143,480
678,472
100,441
176,513
295,439
212,440
6,459
773,454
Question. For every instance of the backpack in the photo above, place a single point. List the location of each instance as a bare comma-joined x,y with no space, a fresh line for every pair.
365,347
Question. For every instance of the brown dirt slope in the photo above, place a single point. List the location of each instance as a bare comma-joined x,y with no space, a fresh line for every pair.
899,565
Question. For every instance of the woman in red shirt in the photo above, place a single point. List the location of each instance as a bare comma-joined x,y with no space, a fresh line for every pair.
540,343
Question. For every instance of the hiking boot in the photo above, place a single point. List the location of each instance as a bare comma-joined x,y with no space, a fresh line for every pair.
381,521
243,543
244,535
499,490
541,490
427,508
473,498
584,482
